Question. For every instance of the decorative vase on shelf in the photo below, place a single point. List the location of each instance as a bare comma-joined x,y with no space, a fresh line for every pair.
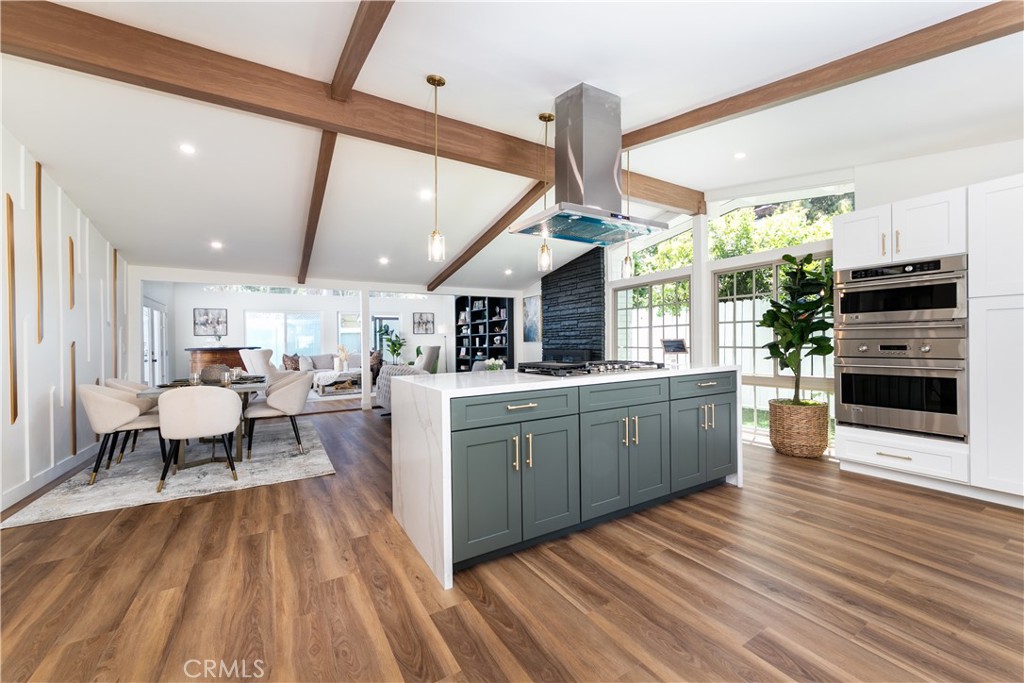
344,366
337,364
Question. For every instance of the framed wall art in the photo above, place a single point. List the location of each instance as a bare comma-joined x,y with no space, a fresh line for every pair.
423,323
210,322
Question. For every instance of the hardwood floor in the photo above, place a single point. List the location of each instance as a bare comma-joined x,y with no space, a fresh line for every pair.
805,574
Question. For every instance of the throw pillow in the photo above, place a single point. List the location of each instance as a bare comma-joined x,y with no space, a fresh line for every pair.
290,362
305,363
324,361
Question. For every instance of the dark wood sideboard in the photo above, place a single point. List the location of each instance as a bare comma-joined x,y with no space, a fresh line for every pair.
201,356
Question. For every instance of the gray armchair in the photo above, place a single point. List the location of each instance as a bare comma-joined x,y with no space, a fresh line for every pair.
384,383
428,360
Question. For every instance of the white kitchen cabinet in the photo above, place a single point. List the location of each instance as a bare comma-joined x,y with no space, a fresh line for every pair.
995,237
996,367
910,230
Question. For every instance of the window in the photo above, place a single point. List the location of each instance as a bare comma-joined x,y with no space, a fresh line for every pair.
284,332
753,229
349,332
648,314
674,252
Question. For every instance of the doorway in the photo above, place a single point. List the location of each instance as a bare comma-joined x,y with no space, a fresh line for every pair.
154,343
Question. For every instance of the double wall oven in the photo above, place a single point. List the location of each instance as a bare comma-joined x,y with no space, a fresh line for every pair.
901,347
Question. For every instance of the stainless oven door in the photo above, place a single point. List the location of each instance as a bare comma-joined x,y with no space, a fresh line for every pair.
924,396
939,296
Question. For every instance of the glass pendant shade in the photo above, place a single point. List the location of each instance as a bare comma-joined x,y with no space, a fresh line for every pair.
545,259
627,266
435,248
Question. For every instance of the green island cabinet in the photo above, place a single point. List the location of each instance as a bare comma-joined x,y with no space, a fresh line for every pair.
527,464
518,476
703,428
624,441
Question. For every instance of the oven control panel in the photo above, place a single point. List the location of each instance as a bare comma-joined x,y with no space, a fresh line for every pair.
917,348
904,269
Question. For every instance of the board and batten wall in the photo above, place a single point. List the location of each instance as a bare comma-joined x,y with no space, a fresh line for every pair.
64,318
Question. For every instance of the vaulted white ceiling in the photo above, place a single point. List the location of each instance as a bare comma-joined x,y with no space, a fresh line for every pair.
113,147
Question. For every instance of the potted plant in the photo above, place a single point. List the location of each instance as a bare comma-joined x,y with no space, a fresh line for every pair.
394,343
800,320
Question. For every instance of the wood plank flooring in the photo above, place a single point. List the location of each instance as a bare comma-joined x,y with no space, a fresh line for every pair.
805,574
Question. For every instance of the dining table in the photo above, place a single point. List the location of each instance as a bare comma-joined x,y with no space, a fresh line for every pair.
243,386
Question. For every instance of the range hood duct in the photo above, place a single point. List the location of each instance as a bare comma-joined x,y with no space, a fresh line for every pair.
588,169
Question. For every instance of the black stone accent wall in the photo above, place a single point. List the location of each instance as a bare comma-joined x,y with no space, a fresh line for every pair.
572,305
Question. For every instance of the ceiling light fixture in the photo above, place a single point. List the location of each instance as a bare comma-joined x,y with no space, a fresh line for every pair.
508,271
739,155
216,244
383,260
545,259
187,148
435,248
426,195
627,263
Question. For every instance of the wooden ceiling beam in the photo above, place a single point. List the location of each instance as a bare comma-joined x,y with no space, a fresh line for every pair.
490,234
68,38
972,28
366,27
316,201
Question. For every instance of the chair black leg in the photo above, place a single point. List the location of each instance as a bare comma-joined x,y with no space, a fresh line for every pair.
251,429
295,428
167,464
124,444
163,448
231,460
113,447
135,437
99,458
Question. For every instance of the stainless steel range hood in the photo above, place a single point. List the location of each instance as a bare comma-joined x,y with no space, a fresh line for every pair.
588,168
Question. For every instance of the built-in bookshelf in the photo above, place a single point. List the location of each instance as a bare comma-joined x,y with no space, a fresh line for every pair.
483,331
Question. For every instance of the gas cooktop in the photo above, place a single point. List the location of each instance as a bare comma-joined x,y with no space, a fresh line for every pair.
587,367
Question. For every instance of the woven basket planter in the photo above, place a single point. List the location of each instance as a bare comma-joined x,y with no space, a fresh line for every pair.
799,431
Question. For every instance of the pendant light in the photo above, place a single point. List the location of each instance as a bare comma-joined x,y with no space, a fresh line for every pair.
545,259
627,263
435,247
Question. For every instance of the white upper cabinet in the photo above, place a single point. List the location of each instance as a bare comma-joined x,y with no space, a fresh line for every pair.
996,237
910,230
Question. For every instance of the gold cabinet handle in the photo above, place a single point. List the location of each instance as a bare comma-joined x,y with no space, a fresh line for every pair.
713,416
525,405
897,241
636,429
883,243
529,450
625,423
893,455
704,420
515,462
707,384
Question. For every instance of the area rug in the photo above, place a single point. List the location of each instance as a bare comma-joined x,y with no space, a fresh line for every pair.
275,459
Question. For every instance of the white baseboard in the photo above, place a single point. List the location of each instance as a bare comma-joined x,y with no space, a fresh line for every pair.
30,486
987,495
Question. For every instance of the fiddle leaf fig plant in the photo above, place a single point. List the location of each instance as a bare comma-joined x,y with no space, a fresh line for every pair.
801,316
395,344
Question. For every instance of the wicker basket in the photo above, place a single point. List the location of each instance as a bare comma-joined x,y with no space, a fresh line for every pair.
800,431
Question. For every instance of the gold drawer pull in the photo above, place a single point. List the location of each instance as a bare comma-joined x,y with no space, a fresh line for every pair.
636,429
529,450
893,455
525,405
707,384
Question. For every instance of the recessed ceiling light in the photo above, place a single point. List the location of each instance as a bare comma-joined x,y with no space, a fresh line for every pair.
187,148
216,244
426,195
383,260
739,155
508,271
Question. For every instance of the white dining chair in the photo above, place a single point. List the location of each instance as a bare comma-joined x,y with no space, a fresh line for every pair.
286,398
195,412
110,414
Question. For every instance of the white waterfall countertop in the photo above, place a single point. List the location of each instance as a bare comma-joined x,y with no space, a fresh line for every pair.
421,456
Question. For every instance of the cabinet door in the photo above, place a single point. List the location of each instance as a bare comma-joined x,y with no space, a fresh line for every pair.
995,227
688,459
648,452
486,491
551,475
862,238
720,436
604,462
996,354
930,226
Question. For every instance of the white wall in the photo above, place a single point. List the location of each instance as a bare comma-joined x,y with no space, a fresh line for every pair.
527,351
38,443
878,184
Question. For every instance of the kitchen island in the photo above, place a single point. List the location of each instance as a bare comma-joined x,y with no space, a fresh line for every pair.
487,462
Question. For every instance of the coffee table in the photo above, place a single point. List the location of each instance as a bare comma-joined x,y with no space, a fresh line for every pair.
328,382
